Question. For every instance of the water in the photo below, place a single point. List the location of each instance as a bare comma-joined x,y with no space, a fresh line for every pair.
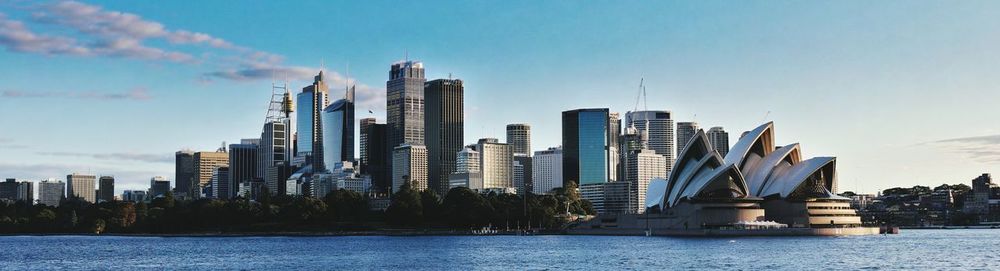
913,249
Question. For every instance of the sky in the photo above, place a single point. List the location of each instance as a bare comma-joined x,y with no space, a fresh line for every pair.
903,93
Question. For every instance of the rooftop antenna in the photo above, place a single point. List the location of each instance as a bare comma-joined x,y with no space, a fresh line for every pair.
406,55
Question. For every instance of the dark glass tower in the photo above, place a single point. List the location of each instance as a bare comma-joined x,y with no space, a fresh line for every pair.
586,138
338,132
106,188
378,155
444,130
185,180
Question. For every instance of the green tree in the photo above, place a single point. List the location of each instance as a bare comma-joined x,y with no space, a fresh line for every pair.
98,226
405,209
464,208
431,204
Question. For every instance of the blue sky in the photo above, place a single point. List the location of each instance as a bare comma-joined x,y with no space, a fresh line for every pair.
902,92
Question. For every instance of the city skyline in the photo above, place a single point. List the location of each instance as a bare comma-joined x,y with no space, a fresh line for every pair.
124,102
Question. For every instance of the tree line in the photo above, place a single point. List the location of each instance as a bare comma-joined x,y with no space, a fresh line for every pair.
342,210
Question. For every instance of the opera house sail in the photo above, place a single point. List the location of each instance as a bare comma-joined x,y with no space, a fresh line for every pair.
757,183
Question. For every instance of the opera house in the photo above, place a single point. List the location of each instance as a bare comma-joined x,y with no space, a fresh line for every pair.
757,189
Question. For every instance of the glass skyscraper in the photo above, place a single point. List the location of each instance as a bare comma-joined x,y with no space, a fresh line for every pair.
310,137
586,139
338,132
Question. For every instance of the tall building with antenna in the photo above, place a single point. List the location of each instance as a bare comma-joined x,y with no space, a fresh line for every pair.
313,99
658,128
275,153
444,128
405,110
685,131
338,132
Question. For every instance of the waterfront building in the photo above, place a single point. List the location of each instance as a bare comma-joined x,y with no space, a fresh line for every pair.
106,189
185,175
26,192
547,170
444,129
641,167
205,164
51,192
243,163
274,156
338,132
82,186
658,127
523,168
311,101
8,189
978,201
719,139
519,138
495,162
409,164
158,187
134,196
586,140
376,161
862,201
685,131
221,187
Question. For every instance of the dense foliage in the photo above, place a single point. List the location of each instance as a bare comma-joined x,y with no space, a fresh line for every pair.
342,210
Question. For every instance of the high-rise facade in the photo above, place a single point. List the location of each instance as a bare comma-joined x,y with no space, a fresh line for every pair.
405,103
377,158
26,192
523,180
82,186
363,127
8,189
658,127
274,154
338,132
547,170
158,187
106,189
586,139
205,164
313,99
51,192
519,138
221,188
719,139
444,129
242,166
185,175
496,163
409,164
640,169
685,131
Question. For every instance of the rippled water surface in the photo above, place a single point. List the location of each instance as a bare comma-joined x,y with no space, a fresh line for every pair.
913,249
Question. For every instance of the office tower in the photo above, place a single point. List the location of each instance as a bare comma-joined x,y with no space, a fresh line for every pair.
205,164
523,180
158,187
586,134
378,156
444,129
363,143
685,131
467,173
633,140
640,168
221,187
405,103
106,189
519,138
496,163
81,186
26,192
658,127
185,175
409,164
312,101
8,189
134,195
719,139
547,170
614,143
338,133
51,192
274,154
242,165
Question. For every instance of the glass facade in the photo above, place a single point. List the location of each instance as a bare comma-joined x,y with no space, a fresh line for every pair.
333,134
303,123
593,147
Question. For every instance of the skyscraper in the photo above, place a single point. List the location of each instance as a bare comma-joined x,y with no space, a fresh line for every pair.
185,175
377,156
586,135
51,192
467,173
221,188
82,186
640,168
242,166
523,180
444,127
363,142
409,164
685,131
658,127
275,154
338,132
311,102
547,170
405,103
719,139
8,189
496,163
26,192
106,189
205,164
158,187
519,138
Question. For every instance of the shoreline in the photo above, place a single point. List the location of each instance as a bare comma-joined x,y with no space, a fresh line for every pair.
401,233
